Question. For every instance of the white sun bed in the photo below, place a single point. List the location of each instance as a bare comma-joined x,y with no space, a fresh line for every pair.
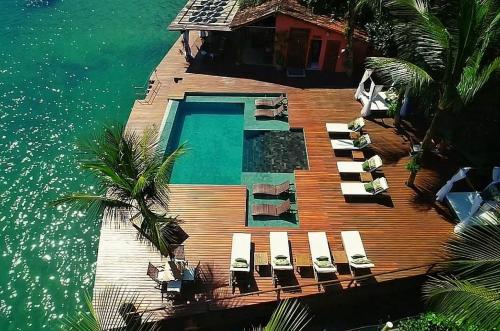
344,127
353,247
279,247
318,244
357,167
348,144
358,188
241,250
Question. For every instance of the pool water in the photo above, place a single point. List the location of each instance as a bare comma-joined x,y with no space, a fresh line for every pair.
213,133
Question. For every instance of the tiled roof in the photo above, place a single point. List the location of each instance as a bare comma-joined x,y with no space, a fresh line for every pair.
289,8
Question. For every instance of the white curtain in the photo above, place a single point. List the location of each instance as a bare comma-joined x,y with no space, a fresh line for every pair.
361,85
496,174
404,107
461,173
374,91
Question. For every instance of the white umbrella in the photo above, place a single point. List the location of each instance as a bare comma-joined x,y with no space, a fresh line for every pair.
461,174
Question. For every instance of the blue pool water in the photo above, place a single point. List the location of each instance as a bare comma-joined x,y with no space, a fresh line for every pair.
213,132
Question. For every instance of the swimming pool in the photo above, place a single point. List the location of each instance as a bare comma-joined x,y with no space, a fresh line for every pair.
213,133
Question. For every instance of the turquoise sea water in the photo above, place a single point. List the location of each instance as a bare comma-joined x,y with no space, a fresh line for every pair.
213,133
65,67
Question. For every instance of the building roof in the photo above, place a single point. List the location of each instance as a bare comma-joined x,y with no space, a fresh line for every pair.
290,8
212,15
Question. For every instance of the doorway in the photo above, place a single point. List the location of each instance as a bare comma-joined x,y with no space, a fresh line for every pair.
331,55
314,54
297,48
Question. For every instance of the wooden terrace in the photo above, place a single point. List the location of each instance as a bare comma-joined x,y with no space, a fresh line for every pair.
399,231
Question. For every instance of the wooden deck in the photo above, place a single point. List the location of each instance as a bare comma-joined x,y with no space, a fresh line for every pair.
402,230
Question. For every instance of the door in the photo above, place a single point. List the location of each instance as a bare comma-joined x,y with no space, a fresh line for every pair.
297,48
314,53
331,55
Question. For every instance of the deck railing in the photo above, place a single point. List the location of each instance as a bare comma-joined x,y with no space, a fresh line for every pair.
319,284
147,92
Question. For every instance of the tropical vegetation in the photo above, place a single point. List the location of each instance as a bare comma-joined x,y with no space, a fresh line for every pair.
443,52
132,175
468,294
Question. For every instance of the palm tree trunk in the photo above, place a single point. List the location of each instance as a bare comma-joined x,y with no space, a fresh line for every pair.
349,32
411,180
397,114
429,135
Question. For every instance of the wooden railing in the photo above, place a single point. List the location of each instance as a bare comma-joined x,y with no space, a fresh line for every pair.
278,290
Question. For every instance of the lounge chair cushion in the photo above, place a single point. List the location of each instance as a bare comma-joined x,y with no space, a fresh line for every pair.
322,258
360,142
369,187
323,264
377,185
355,124
369,165
281,260
240,264
360,259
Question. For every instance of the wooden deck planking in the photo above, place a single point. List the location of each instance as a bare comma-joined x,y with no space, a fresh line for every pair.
404,231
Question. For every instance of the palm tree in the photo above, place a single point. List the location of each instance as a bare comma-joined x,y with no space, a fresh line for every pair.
133,176
442,50
290,315
116,309
470,293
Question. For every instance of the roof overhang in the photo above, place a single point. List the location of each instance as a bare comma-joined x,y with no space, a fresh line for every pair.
210,15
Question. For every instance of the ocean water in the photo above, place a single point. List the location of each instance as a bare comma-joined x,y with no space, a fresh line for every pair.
65,68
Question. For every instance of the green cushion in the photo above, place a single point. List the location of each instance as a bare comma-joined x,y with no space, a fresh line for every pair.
281,257
361,260
354,125
366,165
239,264
322,258
361,141
281,261
369,187
239,259
323,264
377,185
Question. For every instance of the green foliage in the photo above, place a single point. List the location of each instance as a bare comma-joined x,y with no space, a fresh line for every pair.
413,165
133,176
380,35
469,294
249,3
290,315
115,309
430,322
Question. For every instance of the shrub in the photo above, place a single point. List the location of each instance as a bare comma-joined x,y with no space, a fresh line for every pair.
431,322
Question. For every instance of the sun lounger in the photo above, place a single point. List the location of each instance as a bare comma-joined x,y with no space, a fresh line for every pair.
375,187
280,254
320,254
240,256
354,126
275,102
269,189
348,144
355,251
271,113
271,210
369,165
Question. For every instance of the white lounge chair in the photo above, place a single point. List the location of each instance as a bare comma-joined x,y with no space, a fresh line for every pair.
349,144
369,165
320,254
354,126
379,185
280,253
240,256
355,250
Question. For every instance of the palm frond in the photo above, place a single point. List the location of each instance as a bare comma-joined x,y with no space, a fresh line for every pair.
165,170
290,315
115,308
473,79
464,302
84,201
399,72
